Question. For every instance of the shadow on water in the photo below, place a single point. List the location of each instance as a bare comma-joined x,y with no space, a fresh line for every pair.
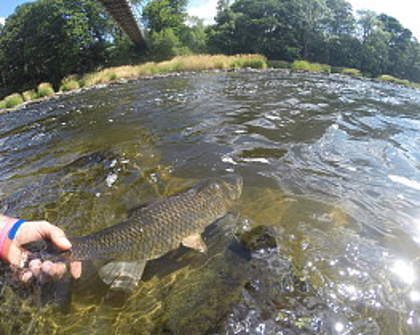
330,165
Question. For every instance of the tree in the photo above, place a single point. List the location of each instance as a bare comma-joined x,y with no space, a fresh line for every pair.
48,39
262,26
193,36
312,15
400,42
341,21
221,36
159,15
165,45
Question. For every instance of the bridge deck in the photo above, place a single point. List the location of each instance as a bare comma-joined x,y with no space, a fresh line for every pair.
121,12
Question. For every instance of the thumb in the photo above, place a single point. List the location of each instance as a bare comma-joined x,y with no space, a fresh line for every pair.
56,235
16,256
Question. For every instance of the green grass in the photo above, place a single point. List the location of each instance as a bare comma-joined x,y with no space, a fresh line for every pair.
112,76
69,85
389,78
170,66
351,72
2,104
303,65
147,69
249,63
45,90
279,64
177,64
13,100
29,95
336,69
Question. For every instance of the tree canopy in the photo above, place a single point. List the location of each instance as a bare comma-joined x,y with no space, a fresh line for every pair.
47,39
324,31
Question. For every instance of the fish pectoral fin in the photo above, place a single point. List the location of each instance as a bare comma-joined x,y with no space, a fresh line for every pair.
195,242
122,276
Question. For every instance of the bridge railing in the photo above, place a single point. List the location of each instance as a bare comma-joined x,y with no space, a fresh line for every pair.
123,12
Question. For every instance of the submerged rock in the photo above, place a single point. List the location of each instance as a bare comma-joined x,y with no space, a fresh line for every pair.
261,237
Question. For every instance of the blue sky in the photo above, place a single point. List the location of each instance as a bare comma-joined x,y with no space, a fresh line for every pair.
7,7
406,11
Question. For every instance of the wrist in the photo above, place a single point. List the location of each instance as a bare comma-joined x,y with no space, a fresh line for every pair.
6,225
5,222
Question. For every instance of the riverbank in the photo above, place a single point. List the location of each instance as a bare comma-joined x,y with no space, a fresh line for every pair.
302,65
178,64
114,74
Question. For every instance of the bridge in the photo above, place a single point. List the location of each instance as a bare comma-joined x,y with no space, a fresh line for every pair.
122,12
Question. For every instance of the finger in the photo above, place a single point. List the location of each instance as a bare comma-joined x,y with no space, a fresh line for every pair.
59,269
76,269
35,267
25,276
47,268
17,256
55,234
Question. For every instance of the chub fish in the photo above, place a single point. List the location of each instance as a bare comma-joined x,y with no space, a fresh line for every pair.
155,228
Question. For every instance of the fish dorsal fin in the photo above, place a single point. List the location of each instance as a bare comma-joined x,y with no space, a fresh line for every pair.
195,242
142,206
191,191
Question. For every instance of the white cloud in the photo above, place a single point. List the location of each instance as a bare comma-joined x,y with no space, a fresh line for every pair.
2,20
205,10
405,11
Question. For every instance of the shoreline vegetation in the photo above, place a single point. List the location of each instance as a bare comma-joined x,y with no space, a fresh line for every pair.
74,44
181,64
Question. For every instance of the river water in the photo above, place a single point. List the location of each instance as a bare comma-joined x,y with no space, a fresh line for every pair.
330,164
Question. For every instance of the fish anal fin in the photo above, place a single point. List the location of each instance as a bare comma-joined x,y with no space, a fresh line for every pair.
195,242
122,276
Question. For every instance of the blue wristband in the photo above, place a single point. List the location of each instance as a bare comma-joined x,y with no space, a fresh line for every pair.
14,229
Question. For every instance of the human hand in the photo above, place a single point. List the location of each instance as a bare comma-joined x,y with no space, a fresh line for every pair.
31,231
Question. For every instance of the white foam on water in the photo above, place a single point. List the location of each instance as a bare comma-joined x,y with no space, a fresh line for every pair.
258,160
228,159
111,179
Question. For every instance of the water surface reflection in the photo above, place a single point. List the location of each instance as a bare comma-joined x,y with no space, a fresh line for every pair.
330,163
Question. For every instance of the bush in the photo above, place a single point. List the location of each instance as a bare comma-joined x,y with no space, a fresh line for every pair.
29,95
69,85
2,104
389,78
336,69
45,90
169,66
112,76
13,100
147,69
386,77
279,64
254,63
303,65
351,72
165,45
